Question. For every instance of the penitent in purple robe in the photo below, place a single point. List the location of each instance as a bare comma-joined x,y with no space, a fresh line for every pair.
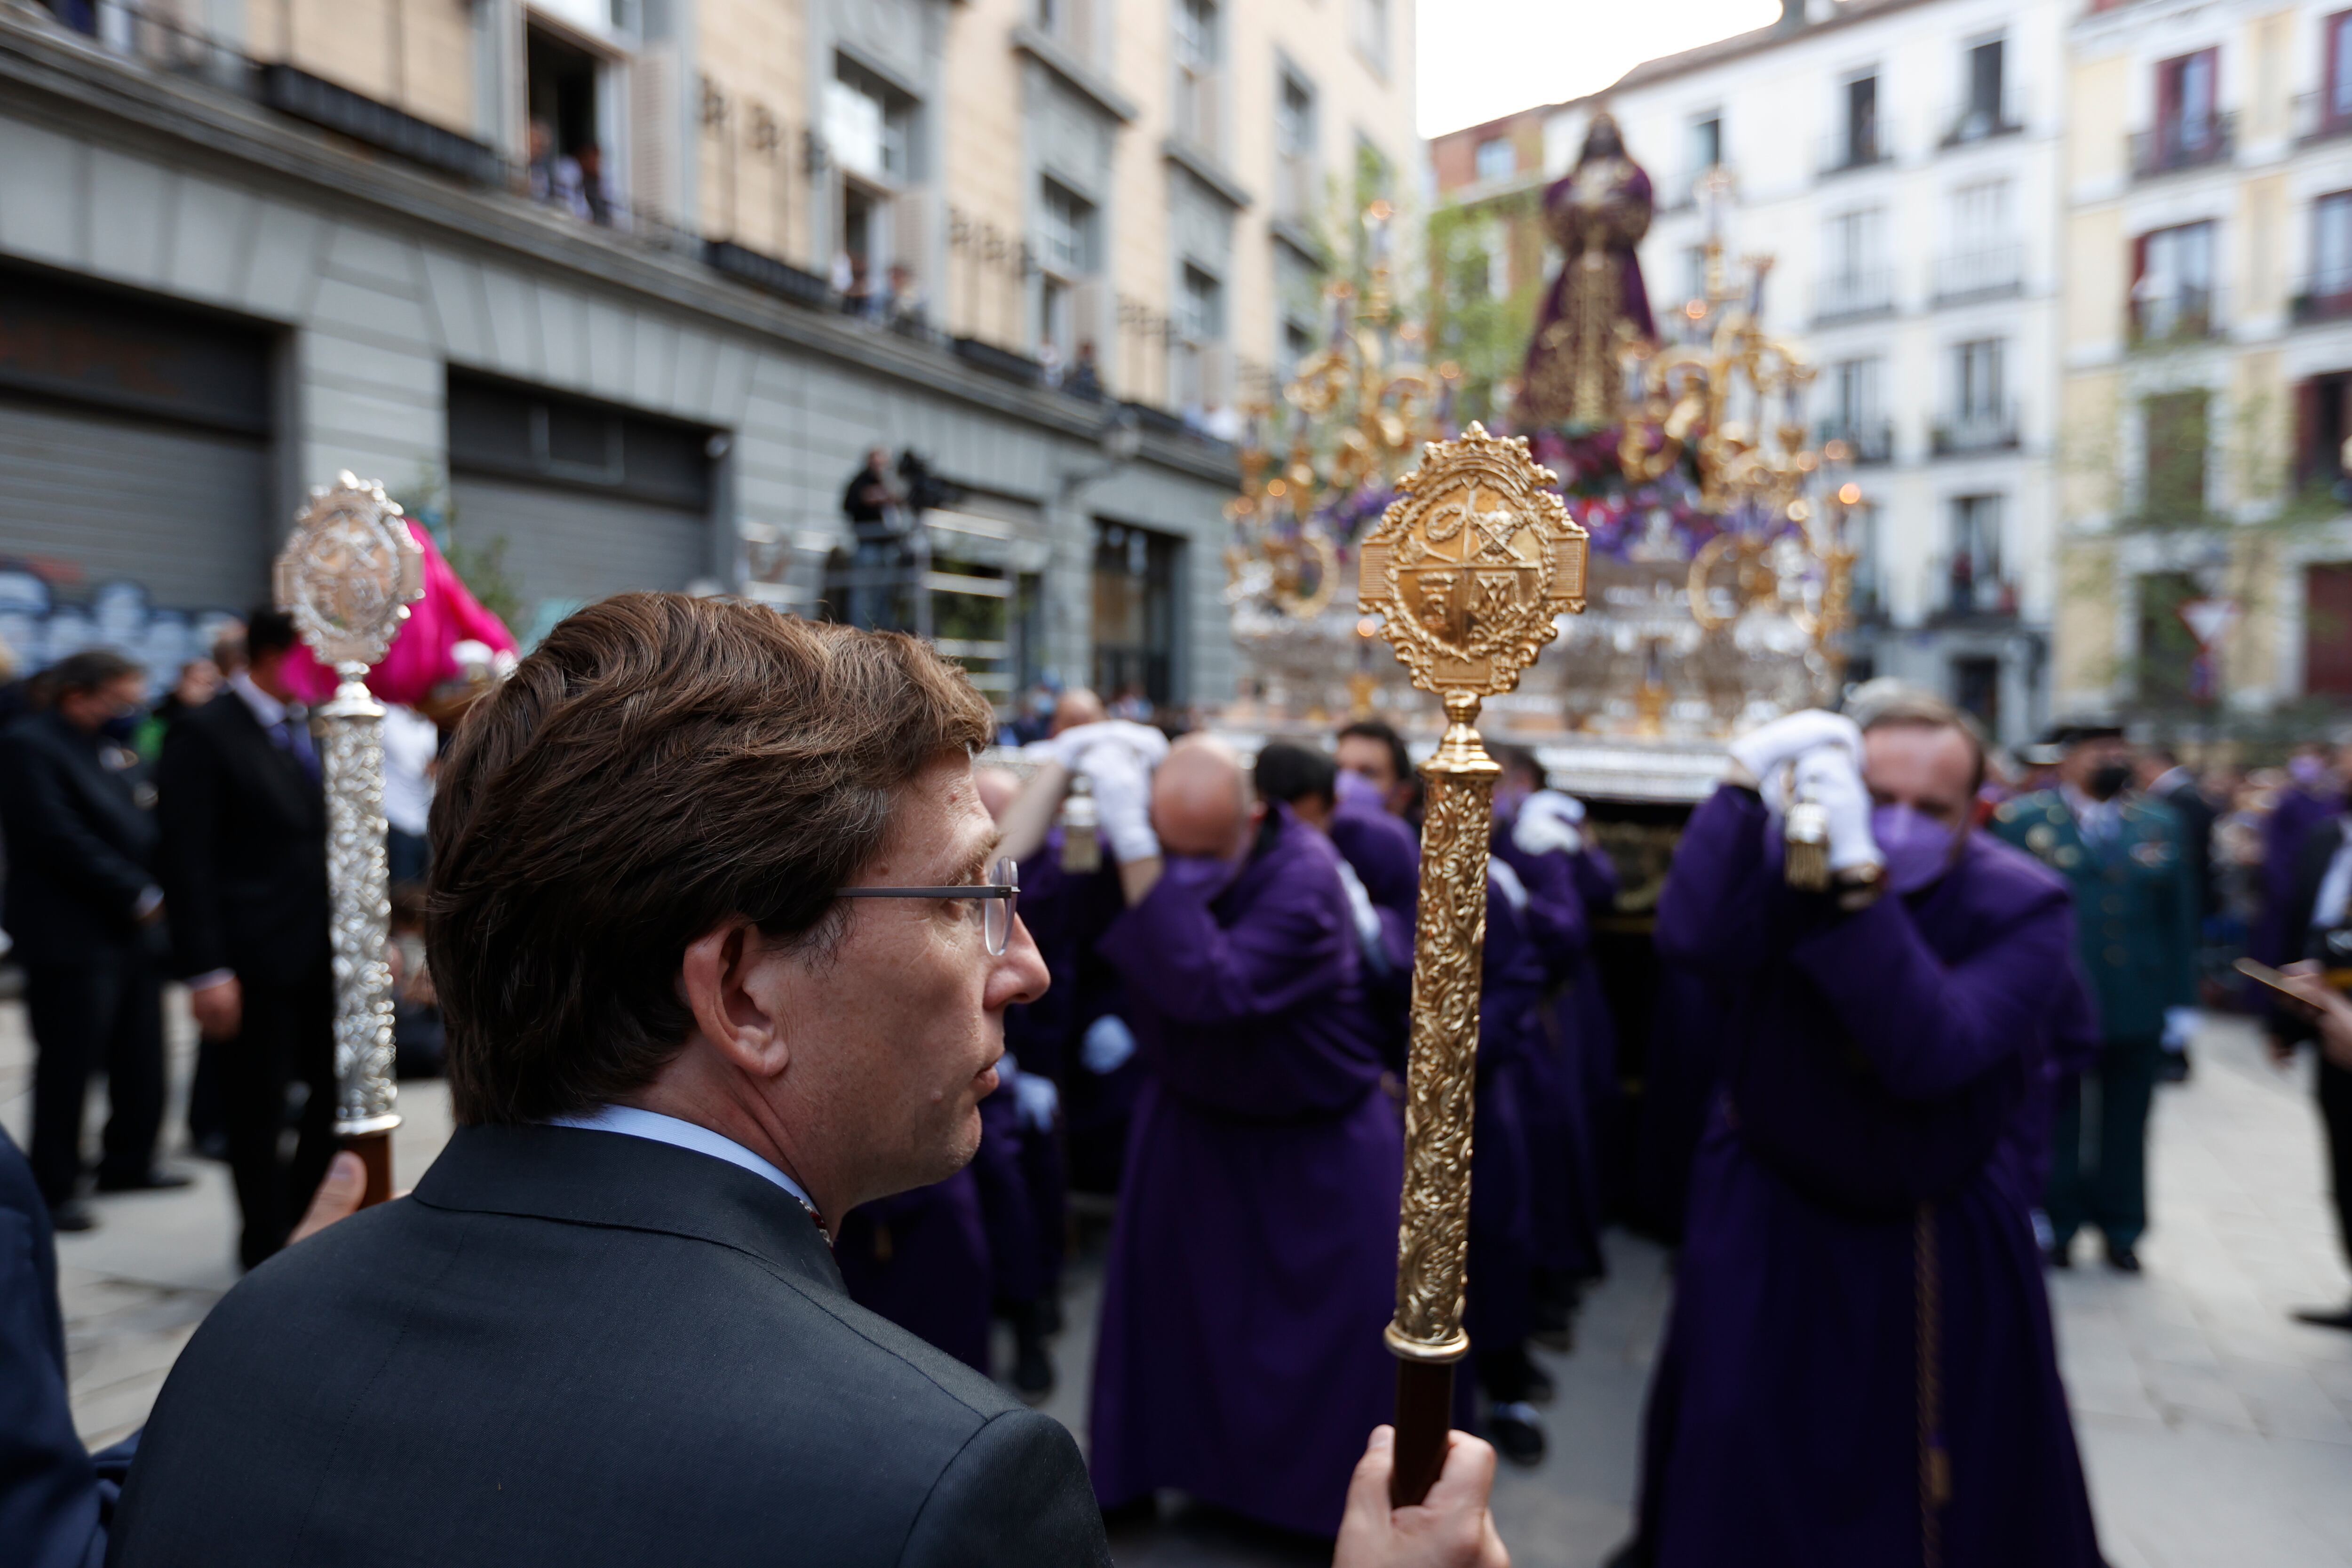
920,1259
2298,811
1385,855
1251,1265
1877,1064
1562,1212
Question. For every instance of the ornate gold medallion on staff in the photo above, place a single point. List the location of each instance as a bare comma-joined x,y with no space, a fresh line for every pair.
1470,567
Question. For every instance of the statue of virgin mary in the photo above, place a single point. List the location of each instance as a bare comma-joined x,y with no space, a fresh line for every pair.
1596,214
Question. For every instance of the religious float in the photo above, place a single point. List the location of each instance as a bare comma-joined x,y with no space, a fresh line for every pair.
1719,571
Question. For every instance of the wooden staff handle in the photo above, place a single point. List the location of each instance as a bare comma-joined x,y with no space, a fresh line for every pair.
374,1150
1424,1421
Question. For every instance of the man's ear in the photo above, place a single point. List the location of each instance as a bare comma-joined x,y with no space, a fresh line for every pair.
716,981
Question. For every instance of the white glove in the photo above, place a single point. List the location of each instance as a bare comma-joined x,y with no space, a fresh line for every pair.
1829,778
1108,1044
1766,749
1502,878
2180,1027
1074,745
1548,821
1038,1099
1122,803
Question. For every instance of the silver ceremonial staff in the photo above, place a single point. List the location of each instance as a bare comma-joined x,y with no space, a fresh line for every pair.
347,576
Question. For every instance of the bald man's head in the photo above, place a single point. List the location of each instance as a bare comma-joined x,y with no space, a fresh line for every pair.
1076,707
997,788
1200,800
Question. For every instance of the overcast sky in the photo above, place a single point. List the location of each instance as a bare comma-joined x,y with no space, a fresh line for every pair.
1477,61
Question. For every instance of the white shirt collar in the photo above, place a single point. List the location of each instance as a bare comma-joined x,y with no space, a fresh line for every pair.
2087,810
265,708
635,1122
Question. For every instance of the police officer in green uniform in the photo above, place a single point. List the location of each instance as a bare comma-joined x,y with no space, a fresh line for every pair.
2136,932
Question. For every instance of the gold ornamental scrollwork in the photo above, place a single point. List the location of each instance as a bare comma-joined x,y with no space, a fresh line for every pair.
1470,568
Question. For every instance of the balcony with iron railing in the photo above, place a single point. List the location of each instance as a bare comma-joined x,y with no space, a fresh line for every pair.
2183,143
2324,296
1868,442
1854,148
1982,272
2322,116
1687,192
1853,295
1976,431
1969,586
980,316
2177,317
1973,122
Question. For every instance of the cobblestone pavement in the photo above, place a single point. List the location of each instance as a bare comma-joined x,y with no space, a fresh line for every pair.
2216,1432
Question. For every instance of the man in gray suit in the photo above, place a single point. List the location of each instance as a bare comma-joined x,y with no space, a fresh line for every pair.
723,943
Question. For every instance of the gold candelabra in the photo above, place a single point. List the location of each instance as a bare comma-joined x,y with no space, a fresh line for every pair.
1357,410
1732,398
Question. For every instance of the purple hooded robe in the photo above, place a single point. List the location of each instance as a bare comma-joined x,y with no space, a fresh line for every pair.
1251,1267
1864,1165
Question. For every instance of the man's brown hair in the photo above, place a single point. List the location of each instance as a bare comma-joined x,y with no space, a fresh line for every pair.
658,765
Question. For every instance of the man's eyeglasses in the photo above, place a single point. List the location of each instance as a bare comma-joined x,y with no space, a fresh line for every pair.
998,895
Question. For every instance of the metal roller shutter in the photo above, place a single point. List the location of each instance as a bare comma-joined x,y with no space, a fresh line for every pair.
181,510
566,547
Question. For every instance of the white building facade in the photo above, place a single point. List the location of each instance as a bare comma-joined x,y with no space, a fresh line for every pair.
2208,354
1899,163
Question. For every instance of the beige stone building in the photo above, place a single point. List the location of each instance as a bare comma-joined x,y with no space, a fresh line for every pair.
2207,358
628,288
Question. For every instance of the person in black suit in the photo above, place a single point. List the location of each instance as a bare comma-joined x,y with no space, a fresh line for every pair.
722,952
84,909
2318,920
245,876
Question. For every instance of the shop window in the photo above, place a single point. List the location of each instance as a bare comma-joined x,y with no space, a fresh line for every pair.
1135,605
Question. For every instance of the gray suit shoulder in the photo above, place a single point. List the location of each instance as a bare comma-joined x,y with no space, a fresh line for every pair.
1017,1494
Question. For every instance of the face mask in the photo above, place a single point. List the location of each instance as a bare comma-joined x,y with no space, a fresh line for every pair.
2107,781
121,728
2306,771
1917,847
1356,790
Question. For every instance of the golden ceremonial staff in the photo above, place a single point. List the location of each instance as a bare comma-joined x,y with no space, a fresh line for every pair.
347,576
1469,568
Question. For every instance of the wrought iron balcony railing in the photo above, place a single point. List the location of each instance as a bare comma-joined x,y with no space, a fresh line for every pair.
2183,143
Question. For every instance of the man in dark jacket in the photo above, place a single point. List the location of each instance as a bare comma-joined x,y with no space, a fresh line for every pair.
724,948
607,1327
2136,937
245,868
83,908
